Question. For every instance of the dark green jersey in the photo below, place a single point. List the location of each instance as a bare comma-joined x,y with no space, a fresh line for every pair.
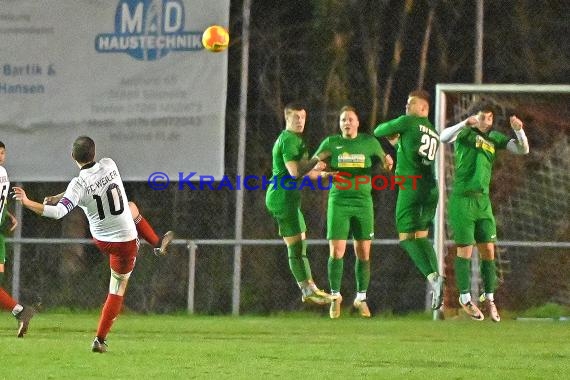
288,147
417,146
356,157
474,156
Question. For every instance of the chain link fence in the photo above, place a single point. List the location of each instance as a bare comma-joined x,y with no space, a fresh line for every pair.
332,55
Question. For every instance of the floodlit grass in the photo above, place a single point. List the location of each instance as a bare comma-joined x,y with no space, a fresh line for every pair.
290,346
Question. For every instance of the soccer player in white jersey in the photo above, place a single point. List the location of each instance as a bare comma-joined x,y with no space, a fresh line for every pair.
98,190
22,313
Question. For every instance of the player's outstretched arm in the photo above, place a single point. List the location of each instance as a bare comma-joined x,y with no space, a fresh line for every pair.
520,146
20,195
448,135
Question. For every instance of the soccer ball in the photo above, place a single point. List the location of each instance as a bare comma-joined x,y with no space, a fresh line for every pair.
216,38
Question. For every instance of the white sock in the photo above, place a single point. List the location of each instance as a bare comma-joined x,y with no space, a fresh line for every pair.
313,287
307,287
432,277
465,298
361,296
17,309
490,297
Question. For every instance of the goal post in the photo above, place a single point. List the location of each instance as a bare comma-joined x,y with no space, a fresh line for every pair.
546,104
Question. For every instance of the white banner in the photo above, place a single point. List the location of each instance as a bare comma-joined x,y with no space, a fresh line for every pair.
131,74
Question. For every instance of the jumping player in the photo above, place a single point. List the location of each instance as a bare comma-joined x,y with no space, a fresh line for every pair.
469,208
283,200
415,208
350,212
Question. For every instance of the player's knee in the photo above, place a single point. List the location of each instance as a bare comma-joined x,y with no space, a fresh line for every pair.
118,282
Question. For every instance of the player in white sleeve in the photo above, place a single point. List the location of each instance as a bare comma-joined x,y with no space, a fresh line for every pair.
98,190
22,313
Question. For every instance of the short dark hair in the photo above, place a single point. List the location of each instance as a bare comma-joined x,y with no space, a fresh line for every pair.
422,94
2,145
485,107
294,106
83,149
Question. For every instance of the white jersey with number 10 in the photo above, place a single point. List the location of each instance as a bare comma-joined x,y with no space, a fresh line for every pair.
100,193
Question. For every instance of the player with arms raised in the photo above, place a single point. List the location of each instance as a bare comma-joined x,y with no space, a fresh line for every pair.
469,208
98,190
415,208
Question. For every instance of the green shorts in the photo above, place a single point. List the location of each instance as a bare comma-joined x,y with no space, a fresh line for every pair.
285,207
415,209
290,222
350,221
471,219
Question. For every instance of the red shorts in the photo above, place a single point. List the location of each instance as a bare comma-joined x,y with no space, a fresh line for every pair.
122,255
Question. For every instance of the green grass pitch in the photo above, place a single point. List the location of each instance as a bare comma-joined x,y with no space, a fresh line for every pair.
300,346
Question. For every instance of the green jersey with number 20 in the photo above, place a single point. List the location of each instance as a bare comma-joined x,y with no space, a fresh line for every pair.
417,146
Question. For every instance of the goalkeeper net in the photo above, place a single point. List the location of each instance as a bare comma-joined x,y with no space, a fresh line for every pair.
530,194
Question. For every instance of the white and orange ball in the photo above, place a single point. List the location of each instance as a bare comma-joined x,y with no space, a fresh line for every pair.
216,38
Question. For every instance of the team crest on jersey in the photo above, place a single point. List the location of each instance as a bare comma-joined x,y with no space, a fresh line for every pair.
486,145
347,160
148,30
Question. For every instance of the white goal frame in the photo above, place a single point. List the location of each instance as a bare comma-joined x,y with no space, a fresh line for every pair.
440,122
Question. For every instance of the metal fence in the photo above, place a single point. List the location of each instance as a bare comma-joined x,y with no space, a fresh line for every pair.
199,276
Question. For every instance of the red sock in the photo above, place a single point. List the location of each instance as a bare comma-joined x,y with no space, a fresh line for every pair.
6,302
146,231
110,311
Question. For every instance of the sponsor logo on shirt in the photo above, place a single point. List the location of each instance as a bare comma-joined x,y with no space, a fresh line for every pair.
486,145
347,160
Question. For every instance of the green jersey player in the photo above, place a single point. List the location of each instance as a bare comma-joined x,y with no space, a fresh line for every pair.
283,200
469,208
350,211
415,206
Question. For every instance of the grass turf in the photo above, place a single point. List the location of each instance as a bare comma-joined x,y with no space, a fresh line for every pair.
288,346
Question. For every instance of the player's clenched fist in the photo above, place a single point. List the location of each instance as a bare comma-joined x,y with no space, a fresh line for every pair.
472,121
516,123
